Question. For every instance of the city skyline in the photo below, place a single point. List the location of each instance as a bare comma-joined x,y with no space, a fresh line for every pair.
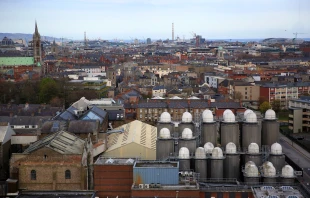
130,19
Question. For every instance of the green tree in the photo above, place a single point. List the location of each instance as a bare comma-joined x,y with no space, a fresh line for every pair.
264,107
276,105
48,90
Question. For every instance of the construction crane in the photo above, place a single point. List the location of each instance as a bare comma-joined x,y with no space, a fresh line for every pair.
296,34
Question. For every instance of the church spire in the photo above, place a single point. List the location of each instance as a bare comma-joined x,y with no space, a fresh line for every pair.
36,29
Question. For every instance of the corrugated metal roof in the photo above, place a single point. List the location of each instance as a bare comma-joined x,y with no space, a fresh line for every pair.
62,142
135,131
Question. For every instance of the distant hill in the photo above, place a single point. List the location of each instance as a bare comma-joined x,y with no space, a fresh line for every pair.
27,37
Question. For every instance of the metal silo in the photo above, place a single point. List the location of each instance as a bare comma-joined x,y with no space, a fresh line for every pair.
251,174
253,154
287,175
270,129
164,145
229,129
269,173
187,122
208,128
217,163
232,162
250,131
208,147
276,157
187,140
201,163
165,122
184,159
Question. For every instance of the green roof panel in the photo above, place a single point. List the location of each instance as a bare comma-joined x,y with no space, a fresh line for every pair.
12,61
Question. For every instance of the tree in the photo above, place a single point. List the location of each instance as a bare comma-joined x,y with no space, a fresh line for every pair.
238,95
48,90
276,105
264,107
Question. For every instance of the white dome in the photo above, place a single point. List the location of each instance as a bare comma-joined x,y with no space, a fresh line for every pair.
208,147
251,170
164,133
231,148
200,153
187,133
246,112
253,148
287,171
184,153
276,148
251,117
207,116
165,117
270,114
229,117
217,152
269,170
187,117
249,163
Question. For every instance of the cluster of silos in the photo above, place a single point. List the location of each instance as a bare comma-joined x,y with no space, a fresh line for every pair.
237,146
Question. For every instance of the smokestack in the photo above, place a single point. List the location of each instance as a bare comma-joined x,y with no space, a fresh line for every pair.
172,31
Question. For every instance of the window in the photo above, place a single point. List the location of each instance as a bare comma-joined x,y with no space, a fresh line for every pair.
68,174
33,175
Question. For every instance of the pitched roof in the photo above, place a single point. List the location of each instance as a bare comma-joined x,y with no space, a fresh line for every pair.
62,142
83,126
5,133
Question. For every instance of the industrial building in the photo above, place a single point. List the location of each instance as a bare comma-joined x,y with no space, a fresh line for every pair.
133,140
299,117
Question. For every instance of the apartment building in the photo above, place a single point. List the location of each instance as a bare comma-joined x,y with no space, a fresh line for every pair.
248,91
299,116
284,93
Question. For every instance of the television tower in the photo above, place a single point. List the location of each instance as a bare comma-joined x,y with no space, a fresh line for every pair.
172,31
85,40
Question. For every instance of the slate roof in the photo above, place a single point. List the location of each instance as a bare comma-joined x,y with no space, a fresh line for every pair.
24,120
153,105
159,87
51,126
62,142
83,126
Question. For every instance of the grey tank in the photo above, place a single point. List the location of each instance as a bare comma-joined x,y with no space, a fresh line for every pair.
188,143
250,134
185,164
232,166
216,168
256,158
164,148
209,133
278,161
270,132
270,180
183,125
201,168
169,126
230,133
251,180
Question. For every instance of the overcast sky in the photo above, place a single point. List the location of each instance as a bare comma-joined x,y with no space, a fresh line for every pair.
126,19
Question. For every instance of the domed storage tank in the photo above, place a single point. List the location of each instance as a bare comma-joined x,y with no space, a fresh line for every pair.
217,163
184,159
187,122
164,145
165,122
270,129
208,128
250,131
188,140
251,174
287,175
253,154
231,162
276,157
246,113
269,173
208,148
229,129
201,163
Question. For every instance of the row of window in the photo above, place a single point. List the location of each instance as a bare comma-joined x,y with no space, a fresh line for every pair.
33,174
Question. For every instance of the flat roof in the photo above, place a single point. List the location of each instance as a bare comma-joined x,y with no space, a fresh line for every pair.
156,164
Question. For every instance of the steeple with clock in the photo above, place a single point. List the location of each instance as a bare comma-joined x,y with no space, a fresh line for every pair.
36,45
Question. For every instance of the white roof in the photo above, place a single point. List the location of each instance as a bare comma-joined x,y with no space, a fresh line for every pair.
175,98
6,133
193,98
81,104
134,132
158,98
